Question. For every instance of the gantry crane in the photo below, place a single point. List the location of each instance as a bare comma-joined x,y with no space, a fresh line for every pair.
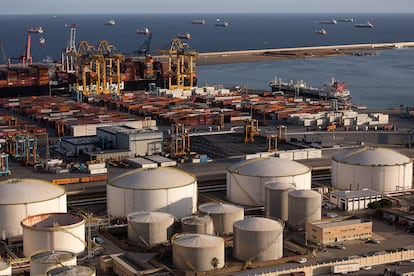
68,56
251,130
180,140
98,69
181,66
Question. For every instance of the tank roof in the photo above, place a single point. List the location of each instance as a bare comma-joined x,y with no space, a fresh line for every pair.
153,179
197,240
196,220
372,156
21,191
149,216
52,220
51,257
258,224
219,208
72,270
304,193
3,265
271,167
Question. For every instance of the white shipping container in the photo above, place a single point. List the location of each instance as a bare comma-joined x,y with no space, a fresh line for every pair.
140,162
252,156
285,155
99,171
300,155
345,268
95,166
266,154
314,153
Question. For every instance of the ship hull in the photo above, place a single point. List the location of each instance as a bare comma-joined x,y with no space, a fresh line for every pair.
24,91
309,92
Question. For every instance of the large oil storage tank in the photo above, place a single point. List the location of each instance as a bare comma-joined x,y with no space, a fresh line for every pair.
223,215
150,228
20,198
72,270
197,252
246,180
197,224
277,199
264,236
304,206
45,260
53,231
375,168
5,268
164,189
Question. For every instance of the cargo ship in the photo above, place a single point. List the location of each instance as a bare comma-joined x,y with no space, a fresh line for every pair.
334,90
110,22
348,19
198,21
331,21
220,23
21,81
145,31
322,32
364,25
36,30
184,36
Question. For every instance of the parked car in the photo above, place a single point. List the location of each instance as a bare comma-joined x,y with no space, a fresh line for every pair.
341,246
301,260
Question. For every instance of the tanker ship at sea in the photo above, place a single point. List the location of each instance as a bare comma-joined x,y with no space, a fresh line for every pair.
334,90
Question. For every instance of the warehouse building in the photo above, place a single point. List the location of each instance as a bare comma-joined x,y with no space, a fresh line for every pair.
330,232
139,142
76,146
354,200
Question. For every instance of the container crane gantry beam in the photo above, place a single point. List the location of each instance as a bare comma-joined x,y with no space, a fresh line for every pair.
181,66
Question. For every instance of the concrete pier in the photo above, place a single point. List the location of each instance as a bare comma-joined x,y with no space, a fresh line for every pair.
228,57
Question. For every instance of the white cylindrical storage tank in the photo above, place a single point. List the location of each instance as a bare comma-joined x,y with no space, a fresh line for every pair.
46,260
246,180
197,224
304,206
378,169
78,270
223,215
20,198
277,199
56,231
258,239
198,252
164,189
5,268
150,228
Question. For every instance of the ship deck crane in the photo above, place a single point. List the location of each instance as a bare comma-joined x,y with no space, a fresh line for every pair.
24,59
181,66
144,49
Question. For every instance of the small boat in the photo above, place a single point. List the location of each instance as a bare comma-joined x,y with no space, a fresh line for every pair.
198,21
321,31
110,22
221,23
185,36
364,25
331,21
42,41
37,30
143,31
